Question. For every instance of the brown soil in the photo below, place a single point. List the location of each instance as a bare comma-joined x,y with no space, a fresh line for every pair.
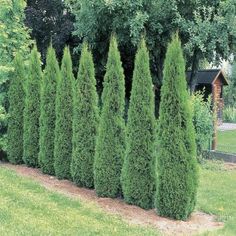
230,166
198,223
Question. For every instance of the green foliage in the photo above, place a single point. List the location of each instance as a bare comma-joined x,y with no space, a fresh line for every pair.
138,179
203,119
16,113
198,22
14,38
230,91
32,110
110,146
49,21
85,122
3,136
64,114
230,114
47,113
14,35
176,160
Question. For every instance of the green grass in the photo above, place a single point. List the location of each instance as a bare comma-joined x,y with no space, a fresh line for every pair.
217,195
227,141
26,208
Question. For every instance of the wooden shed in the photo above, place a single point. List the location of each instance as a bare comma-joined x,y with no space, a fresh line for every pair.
212,82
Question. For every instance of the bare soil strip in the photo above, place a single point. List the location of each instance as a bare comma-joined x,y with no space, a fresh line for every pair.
198,223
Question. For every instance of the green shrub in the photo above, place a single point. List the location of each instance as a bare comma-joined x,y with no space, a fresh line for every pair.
229,114
3,136
203,120
176,160
110,145
32,110
64,114
47,113
138,182
230,90
85,122
16,112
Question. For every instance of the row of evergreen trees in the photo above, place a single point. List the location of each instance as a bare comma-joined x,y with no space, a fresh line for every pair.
55,124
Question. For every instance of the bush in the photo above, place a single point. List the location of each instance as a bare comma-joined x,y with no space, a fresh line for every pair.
230,91
32,110
47,113
229,114
85,122
3,136
203,120
176,159
64,114
138,170
110,145
16,112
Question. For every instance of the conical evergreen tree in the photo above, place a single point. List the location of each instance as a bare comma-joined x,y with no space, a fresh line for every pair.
85,122
47,113
32,110
138,171
110,144
176,162
64,114
16,111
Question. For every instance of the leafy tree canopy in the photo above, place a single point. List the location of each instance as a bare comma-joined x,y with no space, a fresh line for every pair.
49,20
14,38
199,23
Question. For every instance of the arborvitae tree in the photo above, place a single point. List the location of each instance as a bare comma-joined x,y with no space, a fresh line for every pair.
64,114
47,113
85,122
176,159
138,171
110,144
32,110
16,111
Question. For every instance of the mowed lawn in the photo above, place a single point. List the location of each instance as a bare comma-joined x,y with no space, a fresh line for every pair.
227,141
26,208
217,195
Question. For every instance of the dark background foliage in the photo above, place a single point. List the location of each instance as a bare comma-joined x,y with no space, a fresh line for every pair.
50,20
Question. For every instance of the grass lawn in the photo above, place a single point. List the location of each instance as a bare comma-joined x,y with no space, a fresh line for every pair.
26,208
217,195
227,141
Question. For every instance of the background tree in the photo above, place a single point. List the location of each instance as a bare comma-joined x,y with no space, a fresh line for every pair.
32,110
14,38
47,112
138,171
85,122
64,114
50,21
230,93
198,23
16,111
110,145
176,158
